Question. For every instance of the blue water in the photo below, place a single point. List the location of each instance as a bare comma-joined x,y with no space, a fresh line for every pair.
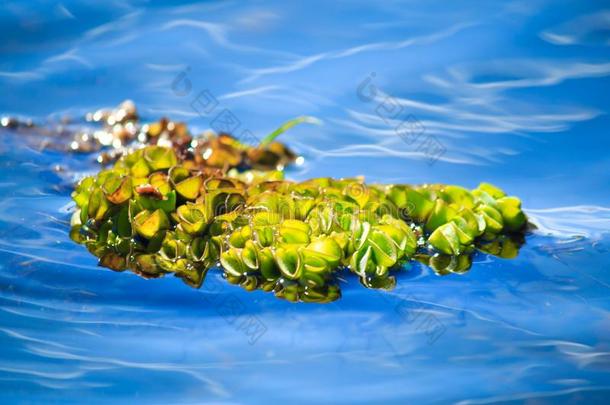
515,93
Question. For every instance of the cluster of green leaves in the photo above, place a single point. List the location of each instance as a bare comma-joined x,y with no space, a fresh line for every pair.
154,214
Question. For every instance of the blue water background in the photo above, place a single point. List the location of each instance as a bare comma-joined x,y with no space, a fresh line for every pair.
515,93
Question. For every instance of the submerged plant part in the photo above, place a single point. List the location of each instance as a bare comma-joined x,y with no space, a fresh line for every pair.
160,211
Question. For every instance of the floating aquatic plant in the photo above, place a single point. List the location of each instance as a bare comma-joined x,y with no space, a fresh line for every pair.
179,203
162,210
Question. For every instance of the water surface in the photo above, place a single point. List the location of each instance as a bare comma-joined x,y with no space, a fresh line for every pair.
513,93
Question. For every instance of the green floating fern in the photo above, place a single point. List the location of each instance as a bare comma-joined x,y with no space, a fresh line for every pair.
154,213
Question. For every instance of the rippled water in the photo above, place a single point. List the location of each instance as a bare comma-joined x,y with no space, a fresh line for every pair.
515,93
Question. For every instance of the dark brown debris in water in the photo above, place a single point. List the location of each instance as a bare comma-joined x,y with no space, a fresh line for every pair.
125,112
116,132
14,123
